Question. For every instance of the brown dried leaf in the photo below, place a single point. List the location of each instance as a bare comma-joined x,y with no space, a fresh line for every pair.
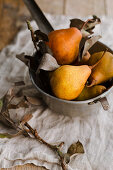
85,33
7,99
43,47
75,148
22,58
89,43
1,104
78,23
23,103
19,83
48,63
33,100
40,36
91,23
81,48
26,118
85,27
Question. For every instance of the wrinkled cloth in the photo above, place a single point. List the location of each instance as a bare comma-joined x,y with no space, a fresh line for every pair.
95,131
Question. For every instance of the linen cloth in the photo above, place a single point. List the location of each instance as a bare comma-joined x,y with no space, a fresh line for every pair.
95,132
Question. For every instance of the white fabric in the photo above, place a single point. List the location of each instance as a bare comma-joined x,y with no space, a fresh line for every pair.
94,131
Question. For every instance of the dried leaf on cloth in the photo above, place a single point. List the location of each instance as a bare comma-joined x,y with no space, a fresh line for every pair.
75,148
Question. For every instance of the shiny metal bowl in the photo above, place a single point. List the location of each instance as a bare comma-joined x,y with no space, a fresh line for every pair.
75,108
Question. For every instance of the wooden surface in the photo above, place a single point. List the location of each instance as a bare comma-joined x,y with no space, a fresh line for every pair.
75,8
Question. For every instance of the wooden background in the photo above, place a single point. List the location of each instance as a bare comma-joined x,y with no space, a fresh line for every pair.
13,13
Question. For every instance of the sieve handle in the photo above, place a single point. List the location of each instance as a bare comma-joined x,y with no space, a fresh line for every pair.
103,101
37,14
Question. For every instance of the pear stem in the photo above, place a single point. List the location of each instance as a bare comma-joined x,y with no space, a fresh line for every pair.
93,66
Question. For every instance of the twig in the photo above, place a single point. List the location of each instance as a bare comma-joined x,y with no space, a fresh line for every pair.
55,148
32,33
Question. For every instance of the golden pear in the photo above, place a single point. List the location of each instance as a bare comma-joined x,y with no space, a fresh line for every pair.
67,82
103,71
91,92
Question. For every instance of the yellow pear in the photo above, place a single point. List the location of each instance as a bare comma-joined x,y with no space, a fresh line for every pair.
103,71
67,82
91,92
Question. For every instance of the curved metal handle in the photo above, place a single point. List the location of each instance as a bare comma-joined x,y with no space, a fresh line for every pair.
103,101
38,16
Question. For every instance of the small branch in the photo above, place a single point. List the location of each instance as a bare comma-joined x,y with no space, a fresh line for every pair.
32,33
55,148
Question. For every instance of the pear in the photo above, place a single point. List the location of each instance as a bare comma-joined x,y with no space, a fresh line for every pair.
103,71
91,92
64,44
67,82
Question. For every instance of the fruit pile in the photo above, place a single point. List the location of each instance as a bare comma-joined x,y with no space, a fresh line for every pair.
73,73
74,79
83,82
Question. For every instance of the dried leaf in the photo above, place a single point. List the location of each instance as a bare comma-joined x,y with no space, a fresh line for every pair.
78,23
48,63
81,48
23,58
1,104
26,118
7,99
40,36
34,60
33,100
22,103
75,148
5,135
19,83
85,27
85,33
91,23
89,43
43,47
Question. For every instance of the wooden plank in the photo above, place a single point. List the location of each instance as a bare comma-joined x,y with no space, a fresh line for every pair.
84,8
109,8
25,167
51,6
12,13
8,16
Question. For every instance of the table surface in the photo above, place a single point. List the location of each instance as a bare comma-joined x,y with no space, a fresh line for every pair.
67,7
